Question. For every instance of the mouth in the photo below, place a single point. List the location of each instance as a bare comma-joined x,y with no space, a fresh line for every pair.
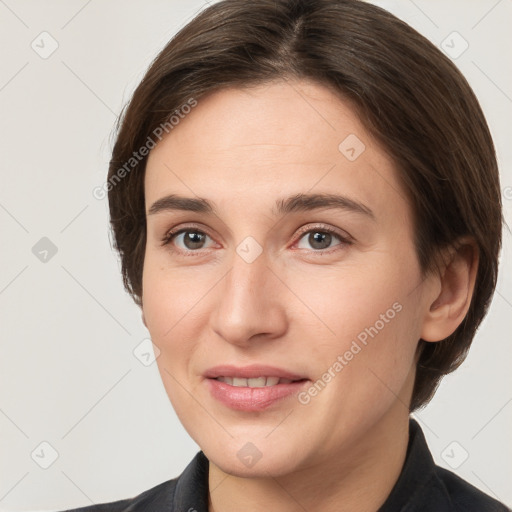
253,388
256,382
255,373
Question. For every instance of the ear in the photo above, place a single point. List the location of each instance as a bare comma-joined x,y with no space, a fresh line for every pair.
455,286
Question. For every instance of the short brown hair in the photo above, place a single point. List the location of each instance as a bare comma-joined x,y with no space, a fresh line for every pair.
408,94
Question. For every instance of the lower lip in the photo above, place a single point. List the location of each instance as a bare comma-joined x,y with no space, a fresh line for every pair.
252,399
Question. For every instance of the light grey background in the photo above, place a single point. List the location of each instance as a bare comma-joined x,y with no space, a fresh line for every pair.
68,375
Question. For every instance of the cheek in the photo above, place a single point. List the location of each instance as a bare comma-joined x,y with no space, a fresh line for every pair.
343,303
174,324
173,317
369,329
170,298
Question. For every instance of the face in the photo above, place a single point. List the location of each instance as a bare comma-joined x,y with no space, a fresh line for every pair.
297,263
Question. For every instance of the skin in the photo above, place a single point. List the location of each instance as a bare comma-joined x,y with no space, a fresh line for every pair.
296,306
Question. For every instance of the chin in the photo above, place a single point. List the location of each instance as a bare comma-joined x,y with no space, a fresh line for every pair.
247,459
273,467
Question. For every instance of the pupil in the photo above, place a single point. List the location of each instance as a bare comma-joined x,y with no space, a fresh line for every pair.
318,237
193,239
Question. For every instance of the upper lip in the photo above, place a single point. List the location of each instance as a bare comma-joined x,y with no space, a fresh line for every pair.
251,371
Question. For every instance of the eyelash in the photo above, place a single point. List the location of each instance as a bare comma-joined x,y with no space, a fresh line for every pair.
345,240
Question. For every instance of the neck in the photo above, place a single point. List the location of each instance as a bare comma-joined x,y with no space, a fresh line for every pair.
360,477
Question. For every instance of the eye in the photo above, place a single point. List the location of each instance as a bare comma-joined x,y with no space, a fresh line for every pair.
186,239
321,238
191,240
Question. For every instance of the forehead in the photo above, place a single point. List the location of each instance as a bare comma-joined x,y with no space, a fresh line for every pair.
293,136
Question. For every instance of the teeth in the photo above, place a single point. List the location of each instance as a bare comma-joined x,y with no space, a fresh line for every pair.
257,382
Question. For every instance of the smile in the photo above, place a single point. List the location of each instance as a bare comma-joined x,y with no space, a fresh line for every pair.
256,382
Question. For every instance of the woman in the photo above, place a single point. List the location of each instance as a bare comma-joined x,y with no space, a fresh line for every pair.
306,202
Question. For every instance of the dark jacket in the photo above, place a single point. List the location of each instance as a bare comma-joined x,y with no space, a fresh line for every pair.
421,487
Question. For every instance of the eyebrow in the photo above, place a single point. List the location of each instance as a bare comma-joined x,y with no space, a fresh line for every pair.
292,204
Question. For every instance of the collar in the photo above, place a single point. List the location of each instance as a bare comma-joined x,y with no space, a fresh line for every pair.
421,487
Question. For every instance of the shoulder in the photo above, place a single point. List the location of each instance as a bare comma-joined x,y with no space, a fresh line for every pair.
189,491
423,486
155,499
466,497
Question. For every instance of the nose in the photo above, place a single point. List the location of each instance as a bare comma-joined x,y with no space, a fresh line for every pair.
250,303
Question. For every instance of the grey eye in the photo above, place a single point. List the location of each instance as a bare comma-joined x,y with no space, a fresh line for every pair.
192,239
318,239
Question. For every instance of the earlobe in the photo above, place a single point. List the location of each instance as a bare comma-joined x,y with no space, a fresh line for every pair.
457,279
